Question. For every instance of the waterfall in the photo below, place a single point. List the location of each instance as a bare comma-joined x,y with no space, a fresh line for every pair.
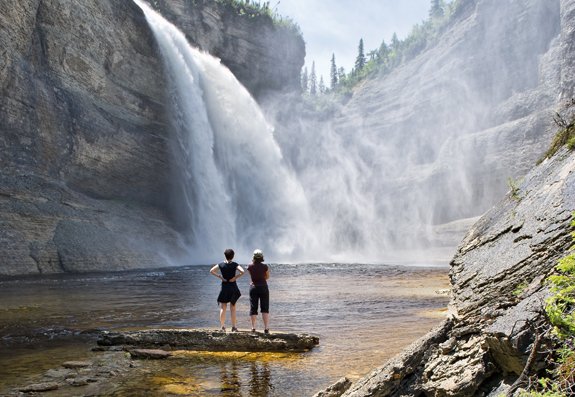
235,186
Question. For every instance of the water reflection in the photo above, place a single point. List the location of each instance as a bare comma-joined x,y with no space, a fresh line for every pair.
230,379
357,310
261,381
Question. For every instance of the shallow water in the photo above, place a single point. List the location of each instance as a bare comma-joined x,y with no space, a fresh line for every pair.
364,314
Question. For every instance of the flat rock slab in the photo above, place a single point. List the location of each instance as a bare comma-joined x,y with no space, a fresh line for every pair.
40,387
206,340
76,364
151,354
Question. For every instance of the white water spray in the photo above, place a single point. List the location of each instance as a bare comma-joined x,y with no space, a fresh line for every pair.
237,190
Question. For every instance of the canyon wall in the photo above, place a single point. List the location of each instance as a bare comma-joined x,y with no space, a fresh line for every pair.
84,135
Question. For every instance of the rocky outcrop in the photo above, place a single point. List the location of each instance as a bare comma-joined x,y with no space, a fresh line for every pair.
85,170
197,339
498,289
443,132
86,180
265,57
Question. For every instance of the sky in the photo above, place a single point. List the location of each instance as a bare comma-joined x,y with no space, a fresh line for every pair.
336,26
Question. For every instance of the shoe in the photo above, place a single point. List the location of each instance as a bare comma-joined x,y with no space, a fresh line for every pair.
234,329
266,331
253,330
223,329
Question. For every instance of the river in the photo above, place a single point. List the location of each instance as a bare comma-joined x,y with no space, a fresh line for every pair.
363,314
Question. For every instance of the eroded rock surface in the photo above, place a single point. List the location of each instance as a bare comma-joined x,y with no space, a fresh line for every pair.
86,180
498,292
197,339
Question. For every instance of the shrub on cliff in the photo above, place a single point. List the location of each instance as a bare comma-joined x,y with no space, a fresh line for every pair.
565,120
560,311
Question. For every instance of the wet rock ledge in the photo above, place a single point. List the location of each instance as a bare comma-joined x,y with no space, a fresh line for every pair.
207,340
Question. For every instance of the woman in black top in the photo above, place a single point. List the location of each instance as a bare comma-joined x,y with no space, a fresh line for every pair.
259,292
230,293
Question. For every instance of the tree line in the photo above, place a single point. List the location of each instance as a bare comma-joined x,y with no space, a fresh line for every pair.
383,59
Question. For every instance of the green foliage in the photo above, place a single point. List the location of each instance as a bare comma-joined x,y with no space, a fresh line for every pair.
519,289
560,307
253,9
383,60
514,189
565,120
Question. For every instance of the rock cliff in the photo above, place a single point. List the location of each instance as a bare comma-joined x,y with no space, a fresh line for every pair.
86,175
442,133
266,57
498,288
498,272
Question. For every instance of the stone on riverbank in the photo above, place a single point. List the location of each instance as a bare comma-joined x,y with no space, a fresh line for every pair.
150,354
335,390
198,339
40,387
76,364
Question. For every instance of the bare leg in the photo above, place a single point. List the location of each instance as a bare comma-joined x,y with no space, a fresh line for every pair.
233,315
266,317
223,307
253,318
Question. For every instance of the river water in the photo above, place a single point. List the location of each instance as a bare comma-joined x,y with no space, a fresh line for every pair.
363,314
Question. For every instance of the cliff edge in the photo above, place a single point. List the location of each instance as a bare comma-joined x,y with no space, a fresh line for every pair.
86,180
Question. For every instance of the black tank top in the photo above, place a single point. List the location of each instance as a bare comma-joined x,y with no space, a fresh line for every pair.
228,269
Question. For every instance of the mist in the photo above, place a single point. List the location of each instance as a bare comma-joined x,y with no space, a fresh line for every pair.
397,172
403,169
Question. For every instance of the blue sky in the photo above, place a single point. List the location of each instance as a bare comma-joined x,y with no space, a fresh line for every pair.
335,26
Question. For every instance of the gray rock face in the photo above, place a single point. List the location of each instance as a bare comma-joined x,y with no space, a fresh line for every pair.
498,291
442,133
83,139
264,57
86,167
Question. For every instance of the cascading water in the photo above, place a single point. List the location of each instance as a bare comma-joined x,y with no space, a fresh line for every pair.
236,189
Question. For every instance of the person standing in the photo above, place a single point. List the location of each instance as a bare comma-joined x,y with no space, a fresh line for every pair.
259,292
230,293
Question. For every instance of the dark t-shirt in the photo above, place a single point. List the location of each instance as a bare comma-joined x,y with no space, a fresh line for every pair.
258,273
228,269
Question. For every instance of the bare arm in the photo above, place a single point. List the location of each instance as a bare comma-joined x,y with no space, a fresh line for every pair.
268,273
241,271
214,270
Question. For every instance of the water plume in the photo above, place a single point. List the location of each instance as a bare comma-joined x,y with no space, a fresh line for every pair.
235,189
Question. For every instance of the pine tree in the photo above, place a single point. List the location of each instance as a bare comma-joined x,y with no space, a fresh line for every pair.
304,80
436,10
312,80
360,60
341,75
321,87
383,53
395,42
333,73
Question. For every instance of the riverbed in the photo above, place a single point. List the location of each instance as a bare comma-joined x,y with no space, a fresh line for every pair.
363,314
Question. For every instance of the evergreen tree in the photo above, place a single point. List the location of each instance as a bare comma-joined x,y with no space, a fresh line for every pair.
395,42
333,73
360,60
321,87
312,80
436,10
304,80
341,75
383,53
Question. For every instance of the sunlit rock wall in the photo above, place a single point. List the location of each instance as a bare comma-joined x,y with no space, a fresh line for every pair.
265,57
85,181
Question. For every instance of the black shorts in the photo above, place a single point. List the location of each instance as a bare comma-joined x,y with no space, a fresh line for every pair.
259,293
230,293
